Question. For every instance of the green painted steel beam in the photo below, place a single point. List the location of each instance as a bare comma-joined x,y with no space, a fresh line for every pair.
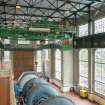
67,47
19,49
49,46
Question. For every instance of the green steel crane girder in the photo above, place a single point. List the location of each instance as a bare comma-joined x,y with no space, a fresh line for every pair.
41,47
15,33
54,26
44,23
49,46
55,46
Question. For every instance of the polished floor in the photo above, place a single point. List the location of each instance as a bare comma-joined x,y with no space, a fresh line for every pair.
77,100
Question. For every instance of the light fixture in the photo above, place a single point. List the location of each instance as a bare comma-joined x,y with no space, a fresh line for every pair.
67,13
18,6
39,29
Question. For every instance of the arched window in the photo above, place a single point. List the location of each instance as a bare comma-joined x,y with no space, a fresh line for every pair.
58,64
100,71
39,61
83,68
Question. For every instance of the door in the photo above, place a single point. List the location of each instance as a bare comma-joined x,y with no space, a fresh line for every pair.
4,91
22,61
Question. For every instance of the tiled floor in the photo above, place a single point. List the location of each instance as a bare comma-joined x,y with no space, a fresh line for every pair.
77,100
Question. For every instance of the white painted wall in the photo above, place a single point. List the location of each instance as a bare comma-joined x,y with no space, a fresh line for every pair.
67,70
48,64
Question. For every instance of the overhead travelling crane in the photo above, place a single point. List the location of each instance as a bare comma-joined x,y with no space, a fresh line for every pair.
38,30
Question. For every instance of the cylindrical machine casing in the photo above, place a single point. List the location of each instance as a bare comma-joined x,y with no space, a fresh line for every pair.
40,93
58,100
37,91
33,83
24,79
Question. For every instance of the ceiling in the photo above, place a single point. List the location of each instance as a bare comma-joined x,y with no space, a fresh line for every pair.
22,11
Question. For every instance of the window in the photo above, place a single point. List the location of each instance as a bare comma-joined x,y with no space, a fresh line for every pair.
83,68
100,71
83,30
58,64
23,42
6,41
46,62
46,54
38,42
39,61
100,25
46,42
6,55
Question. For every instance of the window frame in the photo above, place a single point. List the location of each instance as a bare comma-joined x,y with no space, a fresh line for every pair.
58,71
7,55
81,28
39,59
100,23
83,61
100,81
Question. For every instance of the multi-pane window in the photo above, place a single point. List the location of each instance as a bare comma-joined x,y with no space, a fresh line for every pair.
83,30
46,54
6,64
39,61
38,42
58,64
100,71
46,42
46,62
6,41
83,68
6,55
100,25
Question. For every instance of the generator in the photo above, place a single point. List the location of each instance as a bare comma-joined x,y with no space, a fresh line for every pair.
37,91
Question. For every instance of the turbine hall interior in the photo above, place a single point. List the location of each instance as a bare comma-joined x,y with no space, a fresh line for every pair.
52,52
